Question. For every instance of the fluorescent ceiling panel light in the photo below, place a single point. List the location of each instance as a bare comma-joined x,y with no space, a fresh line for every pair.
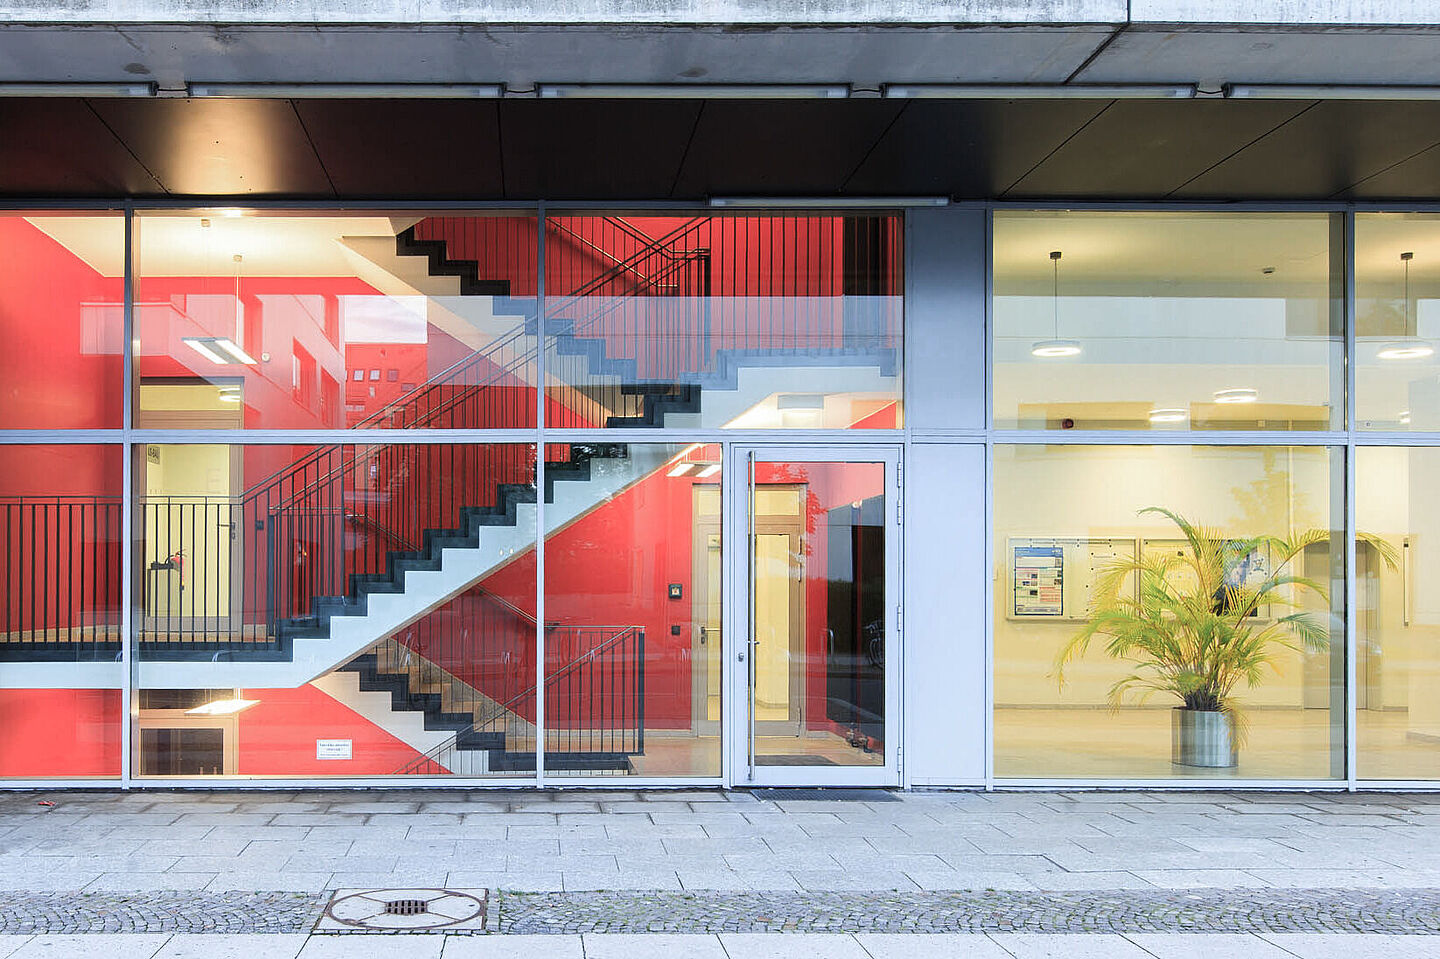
680,469
1047,349
1169,416
827,202
230,396
800,401
219,349
222,707
693,91
710,470
201,345
1404,417
1406,350
1286,91
1241,395
1038,91
344,91
96,90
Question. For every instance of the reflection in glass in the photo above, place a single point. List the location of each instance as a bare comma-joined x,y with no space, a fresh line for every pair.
633,631
61,320
1397,327
1167,321
1071,525
335,610
61,706
817,657
758,322
331,321
1397,620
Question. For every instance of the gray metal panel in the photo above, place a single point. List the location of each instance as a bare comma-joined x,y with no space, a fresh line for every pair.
945,319
945,581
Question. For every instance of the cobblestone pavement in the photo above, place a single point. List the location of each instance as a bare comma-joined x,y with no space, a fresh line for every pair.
1394,912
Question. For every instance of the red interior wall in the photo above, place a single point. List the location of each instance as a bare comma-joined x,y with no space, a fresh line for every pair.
47,377
277,737
60,732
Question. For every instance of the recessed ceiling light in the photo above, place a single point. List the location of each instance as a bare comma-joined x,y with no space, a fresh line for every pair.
1404,417
222,707
680,469
1241,395
219,349
1406,350
710,470
1050,348
1169,416
230,396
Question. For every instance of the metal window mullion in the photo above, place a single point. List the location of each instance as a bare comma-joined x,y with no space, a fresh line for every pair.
1351,643
987,730
129,714
540,496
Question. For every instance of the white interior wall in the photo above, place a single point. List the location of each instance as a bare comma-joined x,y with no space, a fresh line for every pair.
1097,491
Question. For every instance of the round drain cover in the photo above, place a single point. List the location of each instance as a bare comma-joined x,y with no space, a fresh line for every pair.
406,908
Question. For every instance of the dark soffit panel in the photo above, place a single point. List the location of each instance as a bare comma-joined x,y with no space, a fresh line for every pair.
59,147
220,147
1416,177
407,148
594,149
1323,151
1147,148
782,147
972,149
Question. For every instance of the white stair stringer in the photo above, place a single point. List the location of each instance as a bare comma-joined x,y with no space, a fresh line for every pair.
377,708
424,590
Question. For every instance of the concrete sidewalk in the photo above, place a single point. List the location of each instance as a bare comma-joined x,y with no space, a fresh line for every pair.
1121,873
730,946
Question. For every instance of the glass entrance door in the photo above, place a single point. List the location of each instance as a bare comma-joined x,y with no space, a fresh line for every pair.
818,564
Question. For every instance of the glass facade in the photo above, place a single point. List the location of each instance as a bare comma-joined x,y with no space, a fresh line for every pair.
462,495
1168,321
1138,584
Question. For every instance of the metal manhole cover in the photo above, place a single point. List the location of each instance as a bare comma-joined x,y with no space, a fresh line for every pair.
354,910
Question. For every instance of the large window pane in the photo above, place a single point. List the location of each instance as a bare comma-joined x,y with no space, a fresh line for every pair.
1167,321
62,321
1397,617
633,631
327,321
757,322
1241,625
335,610
61,705
1397,321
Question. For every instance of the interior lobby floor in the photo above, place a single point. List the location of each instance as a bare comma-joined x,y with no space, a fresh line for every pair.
1282,744
221,873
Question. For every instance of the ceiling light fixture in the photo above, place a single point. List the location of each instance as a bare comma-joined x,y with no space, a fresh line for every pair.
1239,395
1055,346
1410,346
346,91
680,469
710,470
1295,91
230,394
692,91
88,91
219,349
1404,417
1039,91
222,707
1169,415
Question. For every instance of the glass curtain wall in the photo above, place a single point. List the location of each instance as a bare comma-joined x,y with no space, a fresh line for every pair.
1177,611
306,605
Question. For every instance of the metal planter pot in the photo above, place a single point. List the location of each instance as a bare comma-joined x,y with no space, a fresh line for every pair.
1200,738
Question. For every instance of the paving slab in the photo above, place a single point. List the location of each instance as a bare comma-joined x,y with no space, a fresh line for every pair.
1210,946
1098,946
90,947
772,946
652,946
251,946
922,946
1320,946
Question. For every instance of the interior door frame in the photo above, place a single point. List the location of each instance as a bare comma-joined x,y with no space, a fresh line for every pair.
737,715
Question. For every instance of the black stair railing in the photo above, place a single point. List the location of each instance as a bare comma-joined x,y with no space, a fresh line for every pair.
60,577
594,710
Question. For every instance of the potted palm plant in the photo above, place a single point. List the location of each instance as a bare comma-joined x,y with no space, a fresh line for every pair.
1193,627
